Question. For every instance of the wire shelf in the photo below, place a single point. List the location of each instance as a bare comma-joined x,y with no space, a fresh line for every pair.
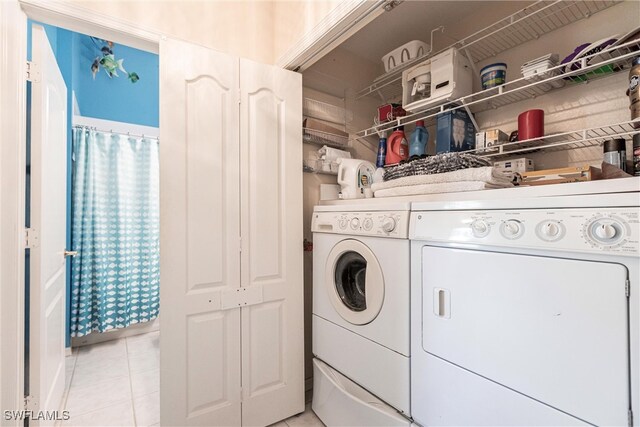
326,112
562,141
598,65
318,137
525,25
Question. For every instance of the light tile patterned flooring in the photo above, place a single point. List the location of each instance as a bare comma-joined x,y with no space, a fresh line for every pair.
117,383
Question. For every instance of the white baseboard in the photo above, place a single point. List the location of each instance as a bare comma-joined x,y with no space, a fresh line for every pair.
114,334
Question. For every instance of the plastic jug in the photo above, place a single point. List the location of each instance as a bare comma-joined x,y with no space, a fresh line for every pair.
354,177
418,141
397,147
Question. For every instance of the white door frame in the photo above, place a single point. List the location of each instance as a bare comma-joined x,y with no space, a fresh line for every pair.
13,41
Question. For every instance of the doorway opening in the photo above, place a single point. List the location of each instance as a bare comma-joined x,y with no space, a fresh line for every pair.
95,352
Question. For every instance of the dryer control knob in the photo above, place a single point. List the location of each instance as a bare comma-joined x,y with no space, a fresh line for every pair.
343,223
606,231
388,224
355,223
367,224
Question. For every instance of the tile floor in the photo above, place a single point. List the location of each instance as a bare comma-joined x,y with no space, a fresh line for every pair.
117,383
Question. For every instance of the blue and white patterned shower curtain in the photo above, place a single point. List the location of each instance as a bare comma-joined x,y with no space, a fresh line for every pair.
116,230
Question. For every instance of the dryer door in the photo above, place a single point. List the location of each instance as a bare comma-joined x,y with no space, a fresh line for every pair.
552,329
354,282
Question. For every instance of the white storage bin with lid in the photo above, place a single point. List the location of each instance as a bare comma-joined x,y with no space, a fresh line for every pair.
403,54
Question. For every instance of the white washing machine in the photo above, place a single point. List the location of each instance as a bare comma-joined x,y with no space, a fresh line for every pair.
361,338
526,312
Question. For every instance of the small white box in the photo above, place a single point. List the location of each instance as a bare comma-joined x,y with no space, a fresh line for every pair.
495,137
491,138
520,165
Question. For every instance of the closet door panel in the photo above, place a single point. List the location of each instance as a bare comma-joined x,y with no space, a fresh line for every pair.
271,188
199,236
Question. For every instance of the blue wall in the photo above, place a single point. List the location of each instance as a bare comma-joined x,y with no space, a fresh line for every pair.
114,99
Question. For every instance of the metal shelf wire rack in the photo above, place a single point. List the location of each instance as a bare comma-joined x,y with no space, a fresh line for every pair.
563,141
526,24
598,65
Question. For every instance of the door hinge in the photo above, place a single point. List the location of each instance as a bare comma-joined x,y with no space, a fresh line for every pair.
627,288
241,297
33,72
29,404
630,418
31,238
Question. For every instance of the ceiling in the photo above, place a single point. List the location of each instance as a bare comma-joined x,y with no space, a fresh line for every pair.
414,20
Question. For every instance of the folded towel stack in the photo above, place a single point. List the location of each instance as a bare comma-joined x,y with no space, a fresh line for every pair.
471,179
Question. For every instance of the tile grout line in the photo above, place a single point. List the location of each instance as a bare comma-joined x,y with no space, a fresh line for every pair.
65,397
133,406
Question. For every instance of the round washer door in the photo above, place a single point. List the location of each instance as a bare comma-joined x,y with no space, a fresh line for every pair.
354,282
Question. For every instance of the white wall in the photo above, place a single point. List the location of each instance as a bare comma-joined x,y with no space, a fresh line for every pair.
293,19
254,29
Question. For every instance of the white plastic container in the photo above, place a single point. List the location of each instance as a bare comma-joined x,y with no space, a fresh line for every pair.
354,176
405,53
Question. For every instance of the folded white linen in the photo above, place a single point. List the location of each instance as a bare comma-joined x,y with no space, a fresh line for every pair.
441,187
483,174
332,154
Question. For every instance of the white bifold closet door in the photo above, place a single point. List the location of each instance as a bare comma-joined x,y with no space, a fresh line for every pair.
231,235
271,177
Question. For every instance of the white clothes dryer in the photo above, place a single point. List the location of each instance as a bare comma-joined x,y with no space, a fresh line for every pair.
361,309
526,312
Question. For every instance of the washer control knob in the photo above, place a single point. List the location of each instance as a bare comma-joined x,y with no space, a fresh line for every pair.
550,229
479,228
367,224
388,224
605,231
343,223
512,229
355,223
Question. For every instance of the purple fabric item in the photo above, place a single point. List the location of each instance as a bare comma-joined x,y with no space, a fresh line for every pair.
573,54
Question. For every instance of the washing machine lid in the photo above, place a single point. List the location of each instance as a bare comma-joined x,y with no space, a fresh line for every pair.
354,282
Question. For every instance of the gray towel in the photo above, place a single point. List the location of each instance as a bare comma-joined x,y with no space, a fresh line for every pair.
444,162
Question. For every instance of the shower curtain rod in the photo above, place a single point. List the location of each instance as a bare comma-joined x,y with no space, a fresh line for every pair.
116,132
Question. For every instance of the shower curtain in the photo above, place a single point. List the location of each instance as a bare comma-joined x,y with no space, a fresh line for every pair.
115,229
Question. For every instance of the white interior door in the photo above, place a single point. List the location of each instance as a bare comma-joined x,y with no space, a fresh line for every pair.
271,176
48,223
199,236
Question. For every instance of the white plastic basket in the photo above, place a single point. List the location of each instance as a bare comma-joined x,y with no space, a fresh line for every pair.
405,53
